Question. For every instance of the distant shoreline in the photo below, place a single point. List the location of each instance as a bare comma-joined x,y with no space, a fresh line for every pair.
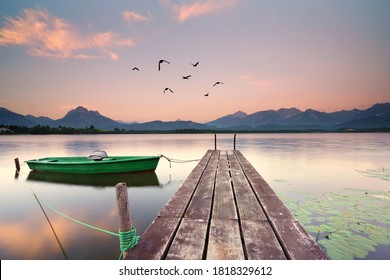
46,130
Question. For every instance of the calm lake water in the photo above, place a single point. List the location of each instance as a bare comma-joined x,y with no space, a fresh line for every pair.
337,185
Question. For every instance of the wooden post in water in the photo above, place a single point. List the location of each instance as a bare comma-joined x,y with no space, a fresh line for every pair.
17,164
234,145
215,141
122,202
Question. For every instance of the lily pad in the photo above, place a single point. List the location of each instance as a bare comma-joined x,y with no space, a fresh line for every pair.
353,222
280,181
335,251
328,228
380,173
361,242
341,234
320,219
312,229
382,239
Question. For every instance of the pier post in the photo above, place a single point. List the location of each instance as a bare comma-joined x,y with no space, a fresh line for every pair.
234,145
215,141
17,164
122,202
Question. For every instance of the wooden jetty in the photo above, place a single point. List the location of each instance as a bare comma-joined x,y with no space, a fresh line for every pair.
225,210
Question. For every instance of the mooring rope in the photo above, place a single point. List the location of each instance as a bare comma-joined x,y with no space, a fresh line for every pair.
127,239
177,160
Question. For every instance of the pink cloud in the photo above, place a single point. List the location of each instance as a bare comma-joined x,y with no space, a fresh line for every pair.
130,17
244,77
43,34
261,84
197,8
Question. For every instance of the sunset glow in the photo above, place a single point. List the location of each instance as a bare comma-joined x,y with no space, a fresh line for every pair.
324,55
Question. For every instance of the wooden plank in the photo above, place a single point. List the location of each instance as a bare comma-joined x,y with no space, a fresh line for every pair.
200,205
297,243
275,208
155,240
224,241
259,185
190,240
176,206
260,241
294,239
219,181
224,205
233,162
247,203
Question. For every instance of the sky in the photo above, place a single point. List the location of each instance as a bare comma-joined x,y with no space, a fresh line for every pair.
268,54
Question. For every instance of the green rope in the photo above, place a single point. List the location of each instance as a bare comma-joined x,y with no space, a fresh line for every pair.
76,221
127,239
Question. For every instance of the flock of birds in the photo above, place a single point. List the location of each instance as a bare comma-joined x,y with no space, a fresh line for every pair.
187,77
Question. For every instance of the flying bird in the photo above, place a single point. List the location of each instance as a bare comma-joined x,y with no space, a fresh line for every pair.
161,61
207,94
217,83
186,77
168,90
195,64
135,68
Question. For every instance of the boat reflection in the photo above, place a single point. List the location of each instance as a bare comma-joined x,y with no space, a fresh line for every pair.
137,179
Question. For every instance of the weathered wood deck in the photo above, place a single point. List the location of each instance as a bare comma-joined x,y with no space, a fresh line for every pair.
225,210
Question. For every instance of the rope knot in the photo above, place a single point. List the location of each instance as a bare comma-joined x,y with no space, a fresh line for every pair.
128,239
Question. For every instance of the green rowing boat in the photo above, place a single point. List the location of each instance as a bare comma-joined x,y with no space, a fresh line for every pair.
91,165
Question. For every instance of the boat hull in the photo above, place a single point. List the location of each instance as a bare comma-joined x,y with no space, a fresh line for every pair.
84,165
102,180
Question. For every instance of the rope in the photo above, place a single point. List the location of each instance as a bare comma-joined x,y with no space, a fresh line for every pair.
177,160
127,239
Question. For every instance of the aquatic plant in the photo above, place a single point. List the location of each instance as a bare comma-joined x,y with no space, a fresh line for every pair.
347,224
381,173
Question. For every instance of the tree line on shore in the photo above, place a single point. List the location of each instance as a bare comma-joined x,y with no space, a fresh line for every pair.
45,129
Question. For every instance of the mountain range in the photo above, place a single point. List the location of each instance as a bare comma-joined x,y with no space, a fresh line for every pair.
375,117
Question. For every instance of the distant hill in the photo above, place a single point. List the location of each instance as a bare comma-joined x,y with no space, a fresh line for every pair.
295,119
229,120
82,117
369,122
41,120
241,119
375,117
8,117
